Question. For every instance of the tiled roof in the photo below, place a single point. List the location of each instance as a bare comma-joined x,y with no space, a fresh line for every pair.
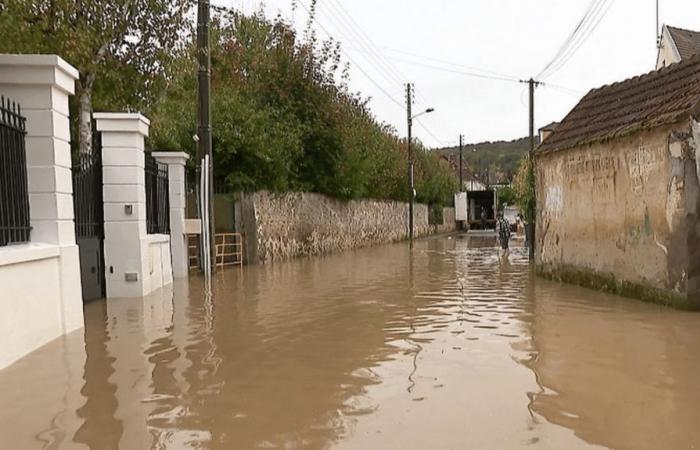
550,127
687,41
662,97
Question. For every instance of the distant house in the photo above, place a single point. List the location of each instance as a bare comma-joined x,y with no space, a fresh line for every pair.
470,179
547,130
618,198
676,45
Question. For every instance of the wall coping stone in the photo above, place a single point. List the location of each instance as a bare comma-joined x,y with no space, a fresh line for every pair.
122,122
157,238
38,70
171,158
23,253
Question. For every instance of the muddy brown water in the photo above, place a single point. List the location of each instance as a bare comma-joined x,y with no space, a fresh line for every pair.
382,348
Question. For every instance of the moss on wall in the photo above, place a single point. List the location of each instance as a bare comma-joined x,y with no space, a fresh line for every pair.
607,282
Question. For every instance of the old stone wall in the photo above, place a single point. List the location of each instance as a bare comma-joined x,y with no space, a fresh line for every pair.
449,222
282,226
623,211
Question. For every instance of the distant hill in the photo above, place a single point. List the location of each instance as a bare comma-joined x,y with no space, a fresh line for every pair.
500,159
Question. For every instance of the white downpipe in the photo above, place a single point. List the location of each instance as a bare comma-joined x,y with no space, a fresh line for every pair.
206,235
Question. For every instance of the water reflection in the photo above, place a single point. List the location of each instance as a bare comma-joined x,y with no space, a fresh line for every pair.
620,373
442,347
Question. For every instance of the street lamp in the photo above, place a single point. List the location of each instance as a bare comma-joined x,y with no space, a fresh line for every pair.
411,186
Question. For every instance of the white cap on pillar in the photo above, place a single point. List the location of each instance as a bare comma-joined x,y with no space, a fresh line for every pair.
122,122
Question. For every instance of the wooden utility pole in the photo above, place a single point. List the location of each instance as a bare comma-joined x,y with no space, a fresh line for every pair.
409,101
531,168
461,180
204,143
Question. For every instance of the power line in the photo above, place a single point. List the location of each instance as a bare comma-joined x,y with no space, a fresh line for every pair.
450,63
589,31
373,53
595,13
347,30
364,37
459,72
570,38
430,133
366,46
369,77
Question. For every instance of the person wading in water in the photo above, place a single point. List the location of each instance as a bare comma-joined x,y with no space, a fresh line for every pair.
503,229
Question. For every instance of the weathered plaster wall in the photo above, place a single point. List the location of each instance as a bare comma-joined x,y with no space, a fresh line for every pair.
626,209
278,227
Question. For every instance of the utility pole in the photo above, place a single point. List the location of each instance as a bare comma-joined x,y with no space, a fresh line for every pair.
531,168
411,189
657,31
204,143
461,180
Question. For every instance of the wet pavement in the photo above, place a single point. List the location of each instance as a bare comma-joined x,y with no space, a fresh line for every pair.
382,348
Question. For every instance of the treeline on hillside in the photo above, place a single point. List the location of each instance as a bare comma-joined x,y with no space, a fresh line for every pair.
499,159
284,118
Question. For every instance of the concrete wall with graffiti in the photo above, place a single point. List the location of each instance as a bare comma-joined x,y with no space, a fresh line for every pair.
627,209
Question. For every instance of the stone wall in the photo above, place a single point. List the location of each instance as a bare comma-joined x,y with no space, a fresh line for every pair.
449,222
282,226
623,215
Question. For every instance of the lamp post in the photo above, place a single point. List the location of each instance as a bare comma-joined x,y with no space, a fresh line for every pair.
411,186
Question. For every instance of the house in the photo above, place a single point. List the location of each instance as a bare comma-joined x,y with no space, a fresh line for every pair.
470,180
547,130
618,197
676,44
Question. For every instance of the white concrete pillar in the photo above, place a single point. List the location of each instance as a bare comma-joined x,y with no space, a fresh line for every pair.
124,195
42,84
176,190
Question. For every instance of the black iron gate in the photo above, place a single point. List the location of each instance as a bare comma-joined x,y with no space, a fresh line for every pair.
89,219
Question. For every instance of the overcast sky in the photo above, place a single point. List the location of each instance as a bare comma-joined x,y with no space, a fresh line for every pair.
393,41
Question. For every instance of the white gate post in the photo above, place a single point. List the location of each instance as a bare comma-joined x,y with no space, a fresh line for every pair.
48,302
176,190
42,85
124,195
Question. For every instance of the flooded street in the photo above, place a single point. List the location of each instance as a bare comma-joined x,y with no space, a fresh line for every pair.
441,348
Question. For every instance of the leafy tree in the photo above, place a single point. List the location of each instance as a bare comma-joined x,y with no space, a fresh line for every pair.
122,48
524,186
506,196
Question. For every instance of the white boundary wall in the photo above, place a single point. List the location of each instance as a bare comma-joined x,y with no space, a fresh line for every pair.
136,263
40,291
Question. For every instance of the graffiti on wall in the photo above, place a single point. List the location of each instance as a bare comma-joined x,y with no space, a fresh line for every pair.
591,165
641,161
554,199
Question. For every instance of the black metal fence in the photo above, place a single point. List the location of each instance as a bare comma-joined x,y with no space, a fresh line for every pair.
157,198
87,191
14,196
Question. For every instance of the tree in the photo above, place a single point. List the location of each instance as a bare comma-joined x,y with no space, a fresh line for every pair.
123,49
284,118
524,187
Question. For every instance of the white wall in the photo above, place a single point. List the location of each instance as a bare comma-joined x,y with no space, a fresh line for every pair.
40,288
30,304
668,54
157,262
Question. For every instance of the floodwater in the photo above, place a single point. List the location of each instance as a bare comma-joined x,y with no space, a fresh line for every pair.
382,348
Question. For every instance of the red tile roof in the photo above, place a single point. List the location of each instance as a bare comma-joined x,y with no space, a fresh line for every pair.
662,97
687,41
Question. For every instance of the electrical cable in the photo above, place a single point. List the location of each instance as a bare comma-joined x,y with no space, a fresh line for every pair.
594,15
